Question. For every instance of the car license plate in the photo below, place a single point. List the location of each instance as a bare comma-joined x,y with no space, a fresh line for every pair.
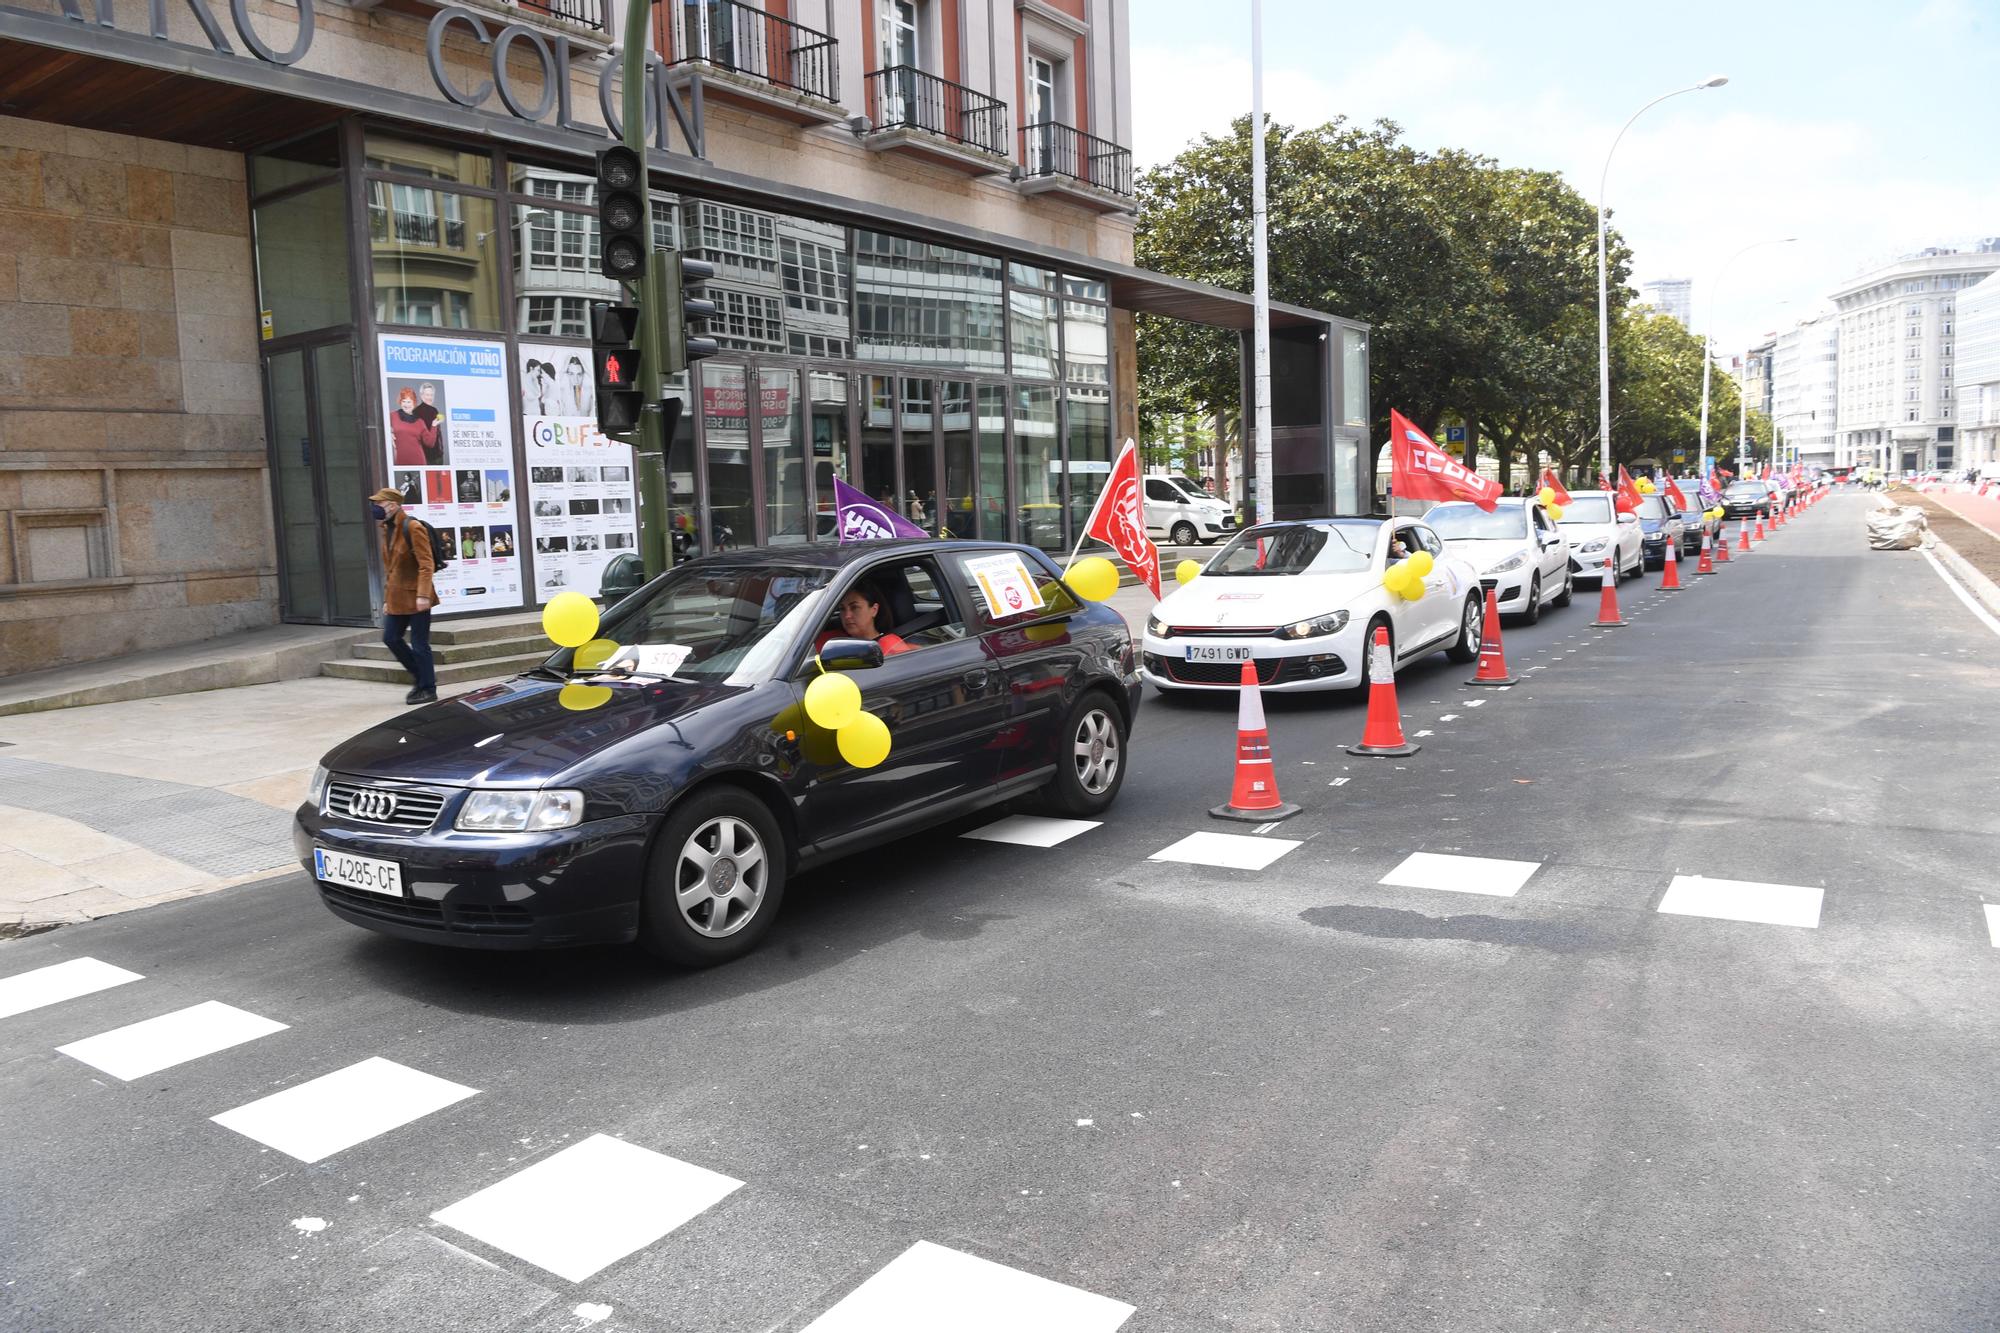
1216,653
367,873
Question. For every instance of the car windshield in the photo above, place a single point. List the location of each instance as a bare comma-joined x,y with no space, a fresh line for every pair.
1465,522
1655,506
709,622
1745,490
1296,548
1586,509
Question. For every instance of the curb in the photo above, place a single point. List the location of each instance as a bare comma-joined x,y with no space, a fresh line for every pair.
1984,590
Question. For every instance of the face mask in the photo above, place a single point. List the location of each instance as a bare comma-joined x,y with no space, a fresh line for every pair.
379,512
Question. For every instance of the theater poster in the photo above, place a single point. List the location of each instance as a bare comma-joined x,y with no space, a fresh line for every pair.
450,438
582,507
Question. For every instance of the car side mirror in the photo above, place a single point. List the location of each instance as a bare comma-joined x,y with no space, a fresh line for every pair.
1628,518
851,654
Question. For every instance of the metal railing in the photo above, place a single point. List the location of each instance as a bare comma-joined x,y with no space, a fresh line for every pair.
1049,148
905,97
582,13
412,228
743,39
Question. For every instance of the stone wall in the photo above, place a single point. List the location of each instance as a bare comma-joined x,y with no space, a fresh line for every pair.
134,506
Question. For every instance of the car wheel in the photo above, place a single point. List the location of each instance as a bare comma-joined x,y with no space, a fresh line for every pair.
1183,534
1534,611
1090,761
716,879
1471,630
1569,590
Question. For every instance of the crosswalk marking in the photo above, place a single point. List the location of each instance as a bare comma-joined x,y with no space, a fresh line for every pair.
336,1111
929,1287
58,982
588,1206
1231,851
147,1047
1461,874
1033,830
1743,900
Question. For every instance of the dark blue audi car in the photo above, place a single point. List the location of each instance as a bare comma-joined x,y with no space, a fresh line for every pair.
666,795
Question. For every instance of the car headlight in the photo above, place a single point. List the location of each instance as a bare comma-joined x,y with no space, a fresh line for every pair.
1157,627
1588,547
1318,626
520,811
316,789
1510,564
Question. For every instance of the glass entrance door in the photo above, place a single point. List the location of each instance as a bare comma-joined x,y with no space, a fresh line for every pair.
319,485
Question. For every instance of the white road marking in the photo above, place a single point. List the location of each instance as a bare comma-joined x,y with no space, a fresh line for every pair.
58,982
1338,782
1962,595
929,1287
588,1206
1461,874
319,1118
160,1043
1033,830
1743,900
1449,717
1475,703
1231,851
1993,923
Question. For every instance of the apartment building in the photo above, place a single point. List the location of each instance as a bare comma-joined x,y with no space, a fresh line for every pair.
295,228
1805,390
1671,296
1898,362
1976,376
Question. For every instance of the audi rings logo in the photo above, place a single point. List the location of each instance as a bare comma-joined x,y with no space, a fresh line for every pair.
374,804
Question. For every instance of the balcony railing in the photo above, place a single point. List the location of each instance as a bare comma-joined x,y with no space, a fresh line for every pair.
581,13
1052,149
743,39
903,97
411,228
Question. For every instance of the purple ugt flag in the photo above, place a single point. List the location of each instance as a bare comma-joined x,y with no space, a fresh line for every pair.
863,520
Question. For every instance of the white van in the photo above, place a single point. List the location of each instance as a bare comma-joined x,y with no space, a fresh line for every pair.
1184,519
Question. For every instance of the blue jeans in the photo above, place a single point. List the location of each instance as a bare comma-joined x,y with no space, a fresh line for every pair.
416,654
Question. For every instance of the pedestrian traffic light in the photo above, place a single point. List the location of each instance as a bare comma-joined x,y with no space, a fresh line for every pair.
613,330
683,311
621,214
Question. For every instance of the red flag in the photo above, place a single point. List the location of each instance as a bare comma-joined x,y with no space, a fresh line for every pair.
1119,519
1765,475
1626,501
1673,492
1550,481
1419,470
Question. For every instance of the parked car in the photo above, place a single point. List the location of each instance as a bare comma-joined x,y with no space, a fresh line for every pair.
672,801
1518,550
1301,601
1695,523
1184,519
1601,538
1747,499
1660,524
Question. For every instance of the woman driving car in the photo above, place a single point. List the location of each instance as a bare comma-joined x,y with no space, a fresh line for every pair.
859,608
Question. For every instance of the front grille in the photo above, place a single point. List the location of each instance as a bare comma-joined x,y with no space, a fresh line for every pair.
383,805
1218,673
1222,631
471,918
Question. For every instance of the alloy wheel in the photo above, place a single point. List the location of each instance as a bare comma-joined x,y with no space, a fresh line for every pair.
720,876
1474,628
1095,752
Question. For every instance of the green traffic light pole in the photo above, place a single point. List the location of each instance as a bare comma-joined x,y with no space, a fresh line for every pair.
650,443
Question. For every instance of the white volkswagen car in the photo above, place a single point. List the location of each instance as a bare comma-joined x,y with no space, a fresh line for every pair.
1518,550
1183,518
1601,538
1302,599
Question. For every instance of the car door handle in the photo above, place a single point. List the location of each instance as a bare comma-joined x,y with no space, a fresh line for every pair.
976,678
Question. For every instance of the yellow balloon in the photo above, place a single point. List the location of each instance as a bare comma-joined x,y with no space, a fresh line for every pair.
1048,632
1186,570
1547,497
1556,513
1415,592
570,619
580,698
594,654
1397,580
1421,564
864,742
832,700
1092,578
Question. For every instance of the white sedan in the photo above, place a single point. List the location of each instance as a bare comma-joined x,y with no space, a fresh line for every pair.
1302,599
1518,550
1601,538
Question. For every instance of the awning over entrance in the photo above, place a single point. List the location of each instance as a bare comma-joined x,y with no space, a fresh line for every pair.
1198,303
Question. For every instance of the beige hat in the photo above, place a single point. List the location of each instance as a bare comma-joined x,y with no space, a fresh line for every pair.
387,493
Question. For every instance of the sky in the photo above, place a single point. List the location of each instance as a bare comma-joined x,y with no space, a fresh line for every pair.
1865,130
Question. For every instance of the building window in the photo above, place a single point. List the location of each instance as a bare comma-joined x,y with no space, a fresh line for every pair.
748,321
737,237
815,277
556,316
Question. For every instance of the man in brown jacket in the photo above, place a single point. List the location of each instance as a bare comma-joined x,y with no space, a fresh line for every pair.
407,593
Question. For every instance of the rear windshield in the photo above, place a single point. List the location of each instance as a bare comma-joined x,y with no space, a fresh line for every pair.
1655,506
1745,489
1295,548
1590,509
1461,522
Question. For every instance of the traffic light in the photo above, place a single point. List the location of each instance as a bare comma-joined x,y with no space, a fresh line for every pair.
683,316
613,330
621,214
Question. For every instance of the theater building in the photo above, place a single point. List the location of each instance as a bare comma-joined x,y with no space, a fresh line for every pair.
259,258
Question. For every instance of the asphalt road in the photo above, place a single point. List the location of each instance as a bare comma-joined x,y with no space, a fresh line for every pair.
1296,1098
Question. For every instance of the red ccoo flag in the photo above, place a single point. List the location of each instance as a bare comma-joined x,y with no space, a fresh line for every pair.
1419,470
1626,501
1551,481
1119,519
1673,492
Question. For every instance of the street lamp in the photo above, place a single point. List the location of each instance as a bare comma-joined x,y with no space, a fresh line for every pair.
1708,338
1603,291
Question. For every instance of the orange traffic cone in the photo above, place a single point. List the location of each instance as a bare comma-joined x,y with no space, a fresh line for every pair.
1743,534
1777,518
1670,570
1607,597
1722,547
1255,793
1759,534
1706,565
1383,732
1492,657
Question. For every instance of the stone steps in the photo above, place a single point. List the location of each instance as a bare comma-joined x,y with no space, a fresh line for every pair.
478,650
448,673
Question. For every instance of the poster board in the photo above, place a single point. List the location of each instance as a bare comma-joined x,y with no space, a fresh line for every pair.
450,452
582,500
